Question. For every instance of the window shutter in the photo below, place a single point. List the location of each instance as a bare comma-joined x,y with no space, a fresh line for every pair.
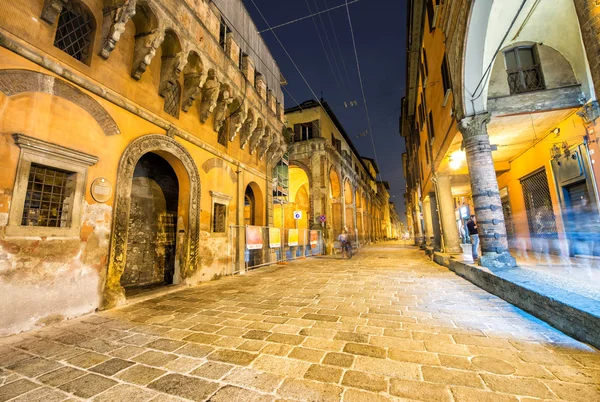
297,132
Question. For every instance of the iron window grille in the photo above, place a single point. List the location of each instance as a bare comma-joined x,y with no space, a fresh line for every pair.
223,32
173,99
75,31
538,204
219,214
48,198
523,70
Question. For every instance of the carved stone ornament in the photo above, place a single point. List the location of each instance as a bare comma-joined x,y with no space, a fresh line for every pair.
221,108
474,125
247,129
15,82
238,117
257,136
114,293
263,146
210,94
51,10
118,20
275,145
192,85
145,50
171,69
589,112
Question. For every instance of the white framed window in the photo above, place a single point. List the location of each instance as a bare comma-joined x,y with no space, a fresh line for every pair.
49,189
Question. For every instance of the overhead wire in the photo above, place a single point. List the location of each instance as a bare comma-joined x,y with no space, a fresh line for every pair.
329,44
361,84
323,46
338,46
306,17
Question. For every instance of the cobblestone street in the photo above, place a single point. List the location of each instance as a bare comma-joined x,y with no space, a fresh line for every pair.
386,325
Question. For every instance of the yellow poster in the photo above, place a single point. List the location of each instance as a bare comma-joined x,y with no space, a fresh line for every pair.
274,238
292,237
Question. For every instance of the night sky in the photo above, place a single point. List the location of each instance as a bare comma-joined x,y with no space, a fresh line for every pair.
380,34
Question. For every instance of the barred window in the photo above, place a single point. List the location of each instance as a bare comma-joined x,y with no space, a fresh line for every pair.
172,100
75,31
219,214
48,197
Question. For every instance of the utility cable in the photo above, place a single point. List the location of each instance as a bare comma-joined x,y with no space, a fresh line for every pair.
361,84
323,46
303,18
339,47
330,47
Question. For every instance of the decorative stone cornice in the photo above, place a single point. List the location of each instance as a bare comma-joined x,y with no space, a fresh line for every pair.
210,94
52,150
220,196
192,85
589,112
51,10
145,50
247,129
119,18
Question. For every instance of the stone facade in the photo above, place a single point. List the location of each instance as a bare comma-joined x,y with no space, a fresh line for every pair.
157,80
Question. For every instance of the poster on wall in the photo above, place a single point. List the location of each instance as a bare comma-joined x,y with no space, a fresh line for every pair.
274,238
314,237
254,240
292,237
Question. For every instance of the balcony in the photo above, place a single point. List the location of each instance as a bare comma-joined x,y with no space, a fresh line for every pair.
526,79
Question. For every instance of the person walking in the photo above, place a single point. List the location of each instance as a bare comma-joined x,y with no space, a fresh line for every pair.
343,239
472,228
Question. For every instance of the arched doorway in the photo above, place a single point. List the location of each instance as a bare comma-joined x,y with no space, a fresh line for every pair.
254,216
159,169
249,207
335,193
349,205
152,225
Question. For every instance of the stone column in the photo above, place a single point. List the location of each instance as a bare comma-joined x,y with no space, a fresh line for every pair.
485,193
435,223
447,215
427,221
588,14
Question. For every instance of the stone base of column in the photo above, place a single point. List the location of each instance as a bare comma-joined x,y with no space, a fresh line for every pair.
453,250
495,260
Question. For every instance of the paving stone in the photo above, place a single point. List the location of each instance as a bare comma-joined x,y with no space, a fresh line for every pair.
61,376
112,366
365,350
389,368
125,392
276,349
88,359
140,374
16,388
322,373
88,385
463,394
188,387
305,390
202,338
517,386
34,366
309,355
232,356
212,370
493,365
369,382
285,339
167,345
127,352
413,356
255,379
194,350
281,366
153,358
357,395
451,376
419,390
44,394
575,392
210,328
352,337
338,359
320,317
256,334
230,393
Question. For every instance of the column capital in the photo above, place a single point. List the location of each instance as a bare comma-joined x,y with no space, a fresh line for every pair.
473,126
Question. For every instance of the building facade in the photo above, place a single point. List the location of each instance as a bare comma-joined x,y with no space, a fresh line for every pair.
336,181
132,134
499,119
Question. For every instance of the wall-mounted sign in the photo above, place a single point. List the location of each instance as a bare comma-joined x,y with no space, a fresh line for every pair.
297,214
101,189
322,218
314,237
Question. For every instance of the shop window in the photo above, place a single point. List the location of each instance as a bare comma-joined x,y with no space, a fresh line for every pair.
523,70
173,100
75,31
49,189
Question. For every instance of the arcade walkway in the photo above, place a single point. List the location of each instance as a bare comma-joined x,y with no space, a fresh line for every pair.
386,325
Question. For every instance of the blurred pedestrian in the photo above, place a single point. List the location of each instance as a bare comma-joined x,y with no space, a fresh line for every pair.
474,234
